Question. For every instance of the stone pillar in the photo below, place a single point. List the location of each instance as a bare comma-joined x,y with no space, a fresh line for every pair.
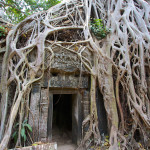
44,103
34,111
86,104
86,109
76,118
80,119
50,118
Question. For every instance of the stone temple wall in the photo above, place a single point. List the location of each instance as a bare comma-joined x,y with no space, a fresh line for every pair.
67,76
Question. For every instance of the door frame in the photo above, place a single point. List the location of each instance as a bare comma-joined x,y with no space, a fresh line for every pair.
76,114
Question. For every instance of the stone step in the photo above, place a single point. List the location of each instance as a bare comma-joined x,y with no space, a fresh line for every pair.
49,146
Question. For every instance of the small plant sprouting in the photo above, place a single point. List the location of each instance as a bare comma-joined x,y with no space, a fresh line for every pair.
25,128
98,28
3,31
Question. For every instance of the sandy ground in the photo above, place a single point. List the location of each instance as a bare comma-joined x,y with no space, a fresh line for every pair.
64,140
66,147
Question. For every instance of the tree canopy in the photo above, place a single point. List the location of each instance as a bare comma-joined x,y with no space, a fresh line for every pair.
17,10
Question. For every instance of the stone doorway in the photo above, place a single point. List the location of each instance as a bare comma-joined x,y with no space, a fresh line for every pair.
62,118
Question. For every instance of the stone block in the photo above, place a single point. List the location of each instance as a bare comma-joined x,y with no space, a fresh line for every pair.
50,146
34,112
44,103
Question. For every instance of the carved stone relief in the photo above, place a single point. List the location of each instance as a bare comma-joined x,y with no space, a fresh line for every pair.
69,81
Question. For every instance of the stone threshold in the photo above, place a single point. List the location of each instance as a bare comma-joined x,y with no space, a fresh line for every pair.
49,146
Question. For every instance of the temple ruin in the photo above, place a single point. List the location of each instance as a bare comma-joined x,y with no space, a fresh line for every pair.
65,76
60,100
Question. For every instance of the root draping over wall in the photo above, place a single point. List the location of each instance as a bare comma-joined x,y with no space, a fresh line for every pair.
121,65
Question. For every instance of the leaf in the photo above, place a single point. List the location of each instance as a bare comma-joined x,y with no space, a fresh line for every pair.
17,124
98,148
22,132
107,137
23,135
15,136
106,143
106,140
98,28
76,48
25,121
34,144
28,127
19,8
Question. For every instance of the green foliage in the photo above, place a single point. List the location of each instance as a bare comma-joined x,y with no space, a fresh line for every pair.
98,28
25,127
16,10
3,31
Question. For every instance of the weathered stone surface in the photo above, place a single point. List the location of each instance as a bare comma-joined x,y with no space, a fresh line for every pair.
64,74
34,111
65,62
44,103
86,104
67,81
68,61
50,146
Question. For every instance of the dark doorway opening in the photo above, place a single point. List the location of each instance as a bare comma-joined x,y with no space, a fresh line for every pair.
62,118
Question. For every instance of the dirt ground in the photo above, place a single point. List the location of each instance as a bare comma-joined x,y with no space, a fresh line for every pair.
64,140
